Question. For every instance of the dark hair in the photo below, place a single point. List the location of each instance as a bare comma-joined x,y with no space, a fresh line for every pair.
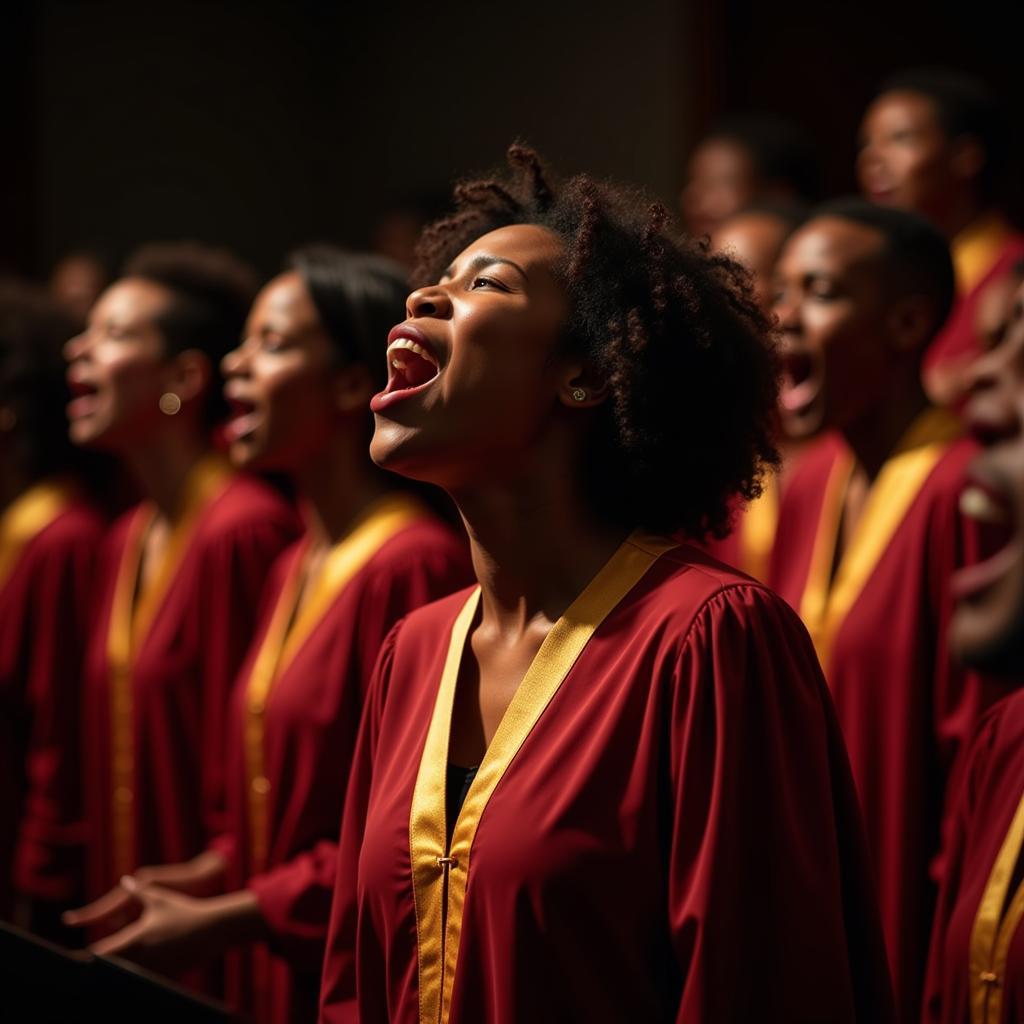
359,297
688,357
211,292
33,330
964,105
791,215
915,255
780,150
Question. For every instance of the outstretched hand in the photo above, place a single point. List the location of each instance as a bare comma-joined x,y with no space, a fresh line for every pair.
172,932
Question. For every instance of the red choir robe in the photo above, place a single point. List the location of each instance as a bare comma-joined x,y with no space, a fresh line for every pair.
663,828
160,667
976,965
982,253
48,541
880,625
294,717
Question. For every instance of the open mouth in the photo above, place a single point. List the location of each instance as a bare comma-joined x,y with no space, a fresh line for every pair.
242,421
991,508
83,398
412,367
799,384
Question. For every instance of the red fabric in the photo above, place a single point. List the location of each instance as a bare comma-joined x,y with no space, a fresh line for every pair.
676,839
182,676
992,788
44,619
904,706
311,721
958,339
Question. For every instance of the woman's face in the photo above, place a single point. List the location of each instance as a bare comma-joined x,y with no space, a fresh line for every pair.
831,307
281,381
722,180
988,624
476,374
117,369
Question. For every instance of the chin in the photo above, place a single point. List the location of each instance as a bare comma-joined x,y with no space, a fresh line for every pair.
988,635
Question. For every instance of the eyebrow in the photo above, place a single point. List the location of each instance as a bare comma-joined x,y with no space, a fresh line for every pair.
483,260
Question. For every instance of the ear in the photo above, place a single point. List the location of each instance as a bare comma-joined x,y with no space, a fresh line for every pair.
966,157
353,389
189,375
581,387
910,323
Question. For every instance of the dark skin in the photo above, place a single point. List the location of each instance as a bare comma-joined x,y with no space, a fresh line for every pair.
857,341
907,160
987,629
721,180
499,429
297,411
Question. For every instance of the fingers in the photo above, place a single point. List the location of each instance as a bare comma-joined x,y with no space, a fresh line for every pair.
121,943
116,902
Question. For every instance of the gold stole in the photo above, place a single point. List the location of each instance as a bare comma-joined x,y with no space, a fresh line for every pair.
993,931
440,875
28,515
976,249
757,530
130,621
826,601
289,629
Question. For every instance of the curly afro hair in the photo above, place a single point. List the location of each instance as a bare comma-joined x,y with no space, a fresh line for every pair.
688,358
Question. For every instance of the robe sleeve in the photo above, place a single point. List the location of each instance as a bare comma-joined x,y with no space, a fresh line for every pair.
237,564
49,858
295,897
338,981
975,769
772,908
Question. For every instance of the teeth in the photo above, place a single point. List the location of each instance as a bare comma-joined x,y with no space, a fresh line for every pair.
977,504
408,343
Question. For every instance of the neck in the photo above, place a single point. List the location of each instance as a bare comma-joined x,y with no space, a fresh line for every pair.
162,465
336,487
535,547
961,213
873,438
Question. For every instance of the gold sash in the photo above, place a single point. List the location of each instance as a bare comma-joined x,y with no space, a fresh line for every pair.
440,875
289,629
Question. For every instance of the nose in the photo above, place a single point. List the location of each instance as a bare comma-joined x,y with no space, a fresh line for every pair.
74,348
236,362
787,313
432,301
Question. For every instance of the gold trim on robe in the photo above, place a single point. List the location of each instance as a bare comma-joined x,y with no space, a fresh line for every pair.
28,515
440,874
825,605
132,613
290,627
976,249
993,930
757,530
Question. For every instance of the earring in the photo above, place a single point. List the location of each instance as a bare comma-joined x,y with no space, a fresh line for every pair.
579,395
170,403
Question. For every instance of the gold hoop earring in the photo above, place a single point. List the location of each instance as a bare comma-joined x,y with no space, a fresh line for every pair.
170,403
579,394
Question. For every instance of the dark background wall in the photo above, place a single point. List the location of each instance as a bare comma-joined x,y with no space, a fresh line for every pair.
265,124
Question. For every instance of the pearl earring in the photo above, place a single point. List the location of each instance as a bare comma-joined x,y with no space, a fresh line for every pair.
170,403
